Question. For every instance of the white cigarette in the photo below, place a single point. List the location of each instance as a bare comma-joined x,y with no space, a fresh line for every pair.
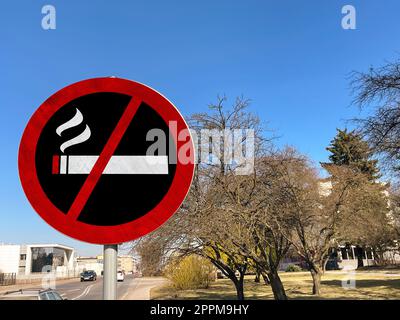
117,165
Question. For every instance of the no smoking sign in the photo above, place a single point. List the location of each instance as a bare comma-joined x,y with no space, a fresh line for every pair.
99,160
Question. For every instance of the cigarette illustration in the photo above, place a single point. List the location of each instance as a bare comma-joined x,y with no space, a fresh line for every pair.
75,164
118,164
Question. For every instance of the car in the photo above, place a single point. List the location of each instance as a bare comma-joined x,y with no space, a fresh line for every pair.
120,276
32,294
88,275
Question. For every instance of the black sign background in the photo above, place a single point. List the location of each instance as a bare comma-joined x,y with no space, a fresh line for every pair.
116,199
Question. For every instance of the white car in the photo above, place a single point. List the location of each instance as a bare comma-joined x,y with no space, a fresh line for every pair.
120,276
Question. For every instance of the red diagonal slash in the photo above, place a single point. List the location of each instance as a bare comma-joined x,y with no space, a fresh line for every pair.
104,158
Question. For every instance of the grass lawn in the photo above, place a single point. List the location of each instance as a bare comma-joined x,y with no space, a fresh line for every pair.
368,285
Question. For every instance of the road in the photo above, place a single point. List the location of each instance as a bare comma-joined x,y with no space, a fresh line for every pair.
130,289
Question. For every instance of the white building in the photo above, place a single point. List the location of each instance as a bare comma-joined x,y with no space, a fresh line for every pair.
351,257
126,263
90,263
30,259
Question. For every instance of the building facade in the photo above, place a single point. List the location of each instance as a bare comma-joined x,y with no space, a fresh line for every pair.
90,263
350,257
25,260
126,263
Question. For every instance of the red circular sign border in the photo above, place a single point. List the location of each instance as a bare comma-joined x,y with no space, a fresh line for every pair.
86,232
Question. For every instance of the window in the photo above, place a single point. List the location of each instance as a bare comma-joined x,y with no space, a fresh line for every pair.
369,253
363,253
332,253
344,253
22,257
53,296
350,252
43,296
57,296
46,259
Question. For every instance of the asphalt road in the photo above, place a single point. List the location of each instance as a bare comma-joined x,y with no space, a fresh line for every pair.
130,289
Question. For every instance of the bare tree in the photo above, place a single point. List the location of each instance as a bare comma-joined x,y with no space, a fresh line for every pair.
241,201
313,210
151,255
230,194
203,225
379,88
251,204
370,222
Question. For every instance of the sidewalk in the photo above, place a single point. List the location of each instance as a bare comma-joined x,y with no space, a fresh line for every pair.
140,289
4,289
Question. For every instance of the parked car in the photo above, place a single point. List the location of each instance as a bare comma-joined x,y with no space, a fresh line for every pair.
120,276
88,275
31,294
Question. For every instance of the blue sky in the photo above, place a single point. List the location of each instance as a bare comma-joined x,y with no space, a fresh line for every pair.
291,57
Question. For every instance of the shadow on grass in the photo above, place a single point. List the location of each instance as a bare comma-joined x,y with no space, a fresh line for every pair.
368,283
296,290
371,288
219,290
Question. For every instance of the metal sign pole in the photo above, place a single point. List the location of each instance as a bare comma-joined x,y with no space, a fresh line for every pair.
110,272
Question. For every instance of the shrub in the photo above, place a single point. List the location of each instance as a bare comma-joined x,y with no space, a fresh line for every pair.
191,272
293,268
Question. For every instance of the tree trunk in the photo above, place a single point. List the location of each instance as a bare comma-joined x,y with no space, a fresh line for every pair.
359,251
239,288
316,275
277,286
257,278
265,278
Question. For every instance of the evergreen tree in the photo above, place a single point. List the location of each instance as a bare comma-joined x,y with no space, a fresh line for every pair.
348,148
